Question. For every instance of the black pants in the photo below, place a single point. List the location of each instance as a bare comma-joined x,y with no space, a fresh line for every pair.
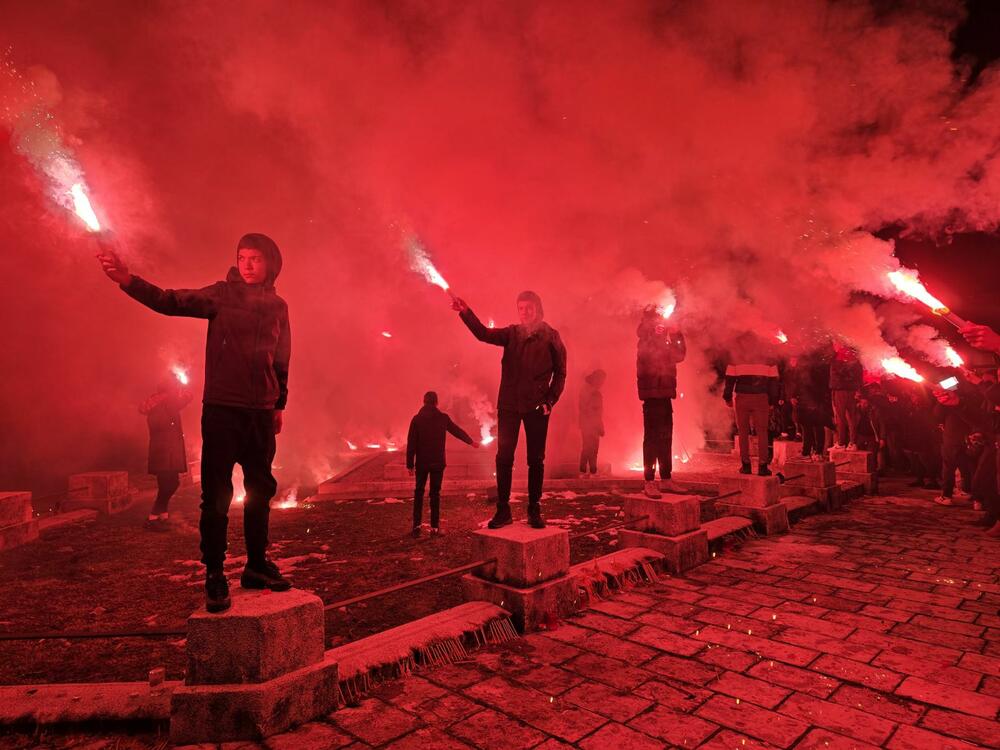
657,437
167,483
231,435
811,422
536,429
436,476
588,453
953,456
984,480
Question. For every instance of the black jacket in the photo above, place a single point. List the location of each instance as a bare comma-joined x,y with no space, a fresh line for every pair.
166,434
753,378
846,376
591,411
249,340
425,440
533,369
806,385
656,361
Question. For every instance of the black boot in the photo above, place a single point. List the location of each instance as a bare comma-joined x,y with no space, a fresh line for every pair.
264,575
216,591
535,519
745,468
502,517
763,470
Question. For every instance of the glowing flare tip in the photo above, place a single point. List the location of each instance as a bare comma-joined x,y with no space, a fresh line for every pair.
907,282
83,209
181,374
898,366
782,337
954,358
487,440
667,309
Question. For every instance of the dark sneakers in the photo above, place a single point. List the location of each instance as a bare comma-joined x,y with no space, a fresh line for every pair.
763,471
745,468
216,591
264,575
535,519
501,518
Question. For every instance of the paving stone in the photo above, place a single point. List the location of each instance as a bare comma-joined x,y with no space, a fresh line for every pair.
854,671
813,624
878,624
662,620
671,726
410,693
912,738
685,670
534,708
821,643
619,705
838,718
965,701
663,640
447,709
425,738
375,721
972,728
615,648
753,720
891,707
904,607
614,626
792,654
680,697
727,658
973,630
312,736
618,607
928,666
760,628
726,739
979,663
886,613
990,686
929,635
490,729
545,650
612,672
794,678
822,739
620,737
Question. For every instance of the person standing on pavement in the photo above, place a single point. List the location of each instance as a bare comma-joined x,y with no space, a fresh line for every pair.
591,419
425,457
167,456
246,388
532,378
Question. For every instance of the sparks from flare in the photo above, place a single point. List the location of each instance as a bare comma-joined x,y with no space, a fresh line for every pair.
901,368
83,209
386,334
181,374
907,281
420,262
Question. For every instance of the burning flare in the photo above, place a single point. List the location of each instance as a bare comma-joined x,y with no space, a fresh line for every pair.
780,335
181,374
953,357
899,367
420,262
907,281
83,209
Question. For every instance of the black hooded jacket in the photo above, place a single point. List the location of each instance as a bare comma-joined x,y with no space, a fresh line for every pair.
249,342
426,438
533,369
656,360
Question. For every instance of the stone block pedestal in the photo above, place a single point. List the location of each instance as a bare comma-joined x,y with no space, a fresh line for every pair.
770,520
853,461
750,490
104,491
254,670
17,519
786,450
810,473
529,577
680,553
669,515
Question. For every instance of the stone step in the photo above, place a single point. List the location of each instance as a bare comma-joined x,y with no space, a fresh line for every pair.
720,527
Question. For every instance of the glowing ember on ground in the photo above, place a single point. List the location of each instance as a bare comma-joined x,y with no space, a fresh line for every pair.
487,439
906,281
420,262
289,500
373,445
898,366
181,374
954,358
351,445
780,335
387,334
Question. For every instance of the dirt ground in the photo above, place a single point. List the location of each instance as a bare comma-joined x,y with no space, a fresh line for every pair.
112,575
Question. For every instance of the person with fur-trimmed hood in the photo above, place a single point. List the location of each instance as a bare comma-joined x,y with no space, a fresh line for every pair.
532,378
246,387
660,349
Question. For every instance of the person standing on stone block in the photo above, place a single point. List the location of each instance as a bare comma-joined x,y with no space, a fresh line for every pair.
532,378
846,379
807,395
591,419
752,390
425,456
167,456
660,349
246,387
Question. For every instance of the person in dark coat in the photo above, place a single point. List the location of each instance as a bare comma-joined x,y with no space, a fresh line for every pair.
425,456
846,379
532,378
591,419
659,350
807,393
167,456
958,415
246,387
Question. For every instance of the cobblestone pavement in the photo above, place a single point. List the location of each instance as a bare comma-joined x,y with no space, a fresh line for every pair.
873,627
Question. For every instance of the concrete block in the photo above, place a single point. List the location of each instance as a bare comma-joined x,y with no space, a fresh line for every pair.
669,515
227,713
811,473
770,520
829,498
262,636
680,553
97,485
856,461
15,507
785,450
867,479
17,534
530,607
524,556
754,490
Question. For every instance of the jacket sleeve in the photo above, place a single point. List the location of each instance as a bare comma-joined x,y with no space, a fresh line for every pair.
678,348
727,393
558,370
282,359
189,303
411,443
495,336
458,432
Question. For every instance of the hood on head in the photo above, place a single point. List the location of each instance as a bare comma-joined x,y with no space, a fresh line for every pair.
267,246
530,296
